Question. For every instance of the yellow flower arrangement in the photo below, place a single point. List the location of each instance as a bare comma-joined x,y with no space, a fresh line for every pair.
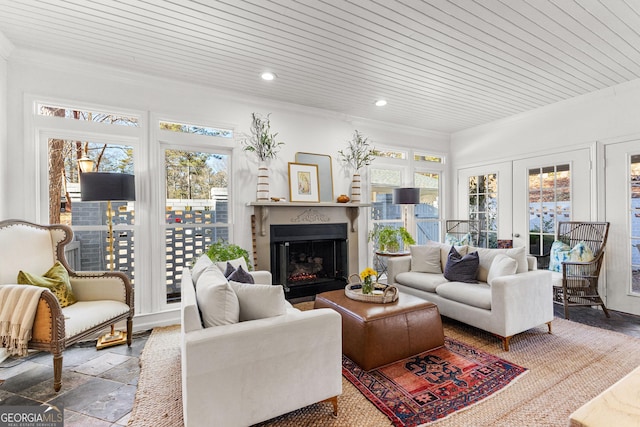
367,279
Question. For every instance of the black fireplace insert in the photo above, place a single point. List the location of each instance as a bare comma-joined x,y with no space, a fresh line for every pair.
308,259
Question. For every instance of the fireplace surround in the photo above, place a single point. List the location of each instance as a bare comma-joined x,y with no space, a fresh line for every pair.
308,247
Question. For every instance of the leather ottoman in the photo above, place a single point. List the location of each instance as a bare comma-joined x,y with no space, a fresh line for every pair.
377,334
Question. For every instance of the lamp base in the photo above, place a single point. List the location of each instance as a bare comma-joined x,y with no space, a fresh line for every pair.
111,339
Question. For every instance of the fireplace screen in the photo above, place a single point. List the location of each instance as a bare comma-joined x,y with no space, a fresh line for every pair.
309,255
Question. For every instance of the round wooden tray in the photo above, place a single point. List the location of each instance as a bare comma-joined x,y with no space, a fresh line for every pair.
383,294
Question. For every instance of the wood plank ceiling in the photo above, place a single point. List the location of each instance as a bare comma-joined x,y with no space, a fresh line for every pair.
444,65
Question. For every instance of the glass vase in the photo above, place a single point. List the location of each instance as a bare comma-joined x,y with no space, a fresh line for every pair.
367,286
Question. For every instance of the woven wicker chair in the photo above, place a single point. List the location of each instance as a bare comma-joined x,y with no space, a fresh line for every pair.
579,282
460,227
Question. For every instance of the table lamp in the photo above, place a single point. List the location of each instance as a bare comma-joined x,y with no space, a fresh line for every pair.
108,187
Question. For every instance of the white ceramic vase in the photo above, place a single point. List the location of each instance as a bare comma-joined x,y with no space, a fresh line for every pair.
262,191
355,188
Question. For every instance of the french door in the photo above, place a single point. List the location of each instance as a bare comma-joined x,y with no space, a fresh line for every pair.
622,210
546,190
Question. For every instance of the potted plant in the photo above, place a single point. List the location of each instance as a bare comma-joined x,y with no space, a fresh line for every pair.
265,146
357,155
222,250
388,238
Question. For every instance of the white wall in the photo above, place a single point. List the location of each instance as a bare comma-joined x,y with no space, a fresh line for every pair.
5,51
301,128
608,113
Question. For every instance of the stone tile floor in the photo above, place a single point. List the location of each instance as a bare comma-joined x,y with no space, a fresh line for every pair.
98,386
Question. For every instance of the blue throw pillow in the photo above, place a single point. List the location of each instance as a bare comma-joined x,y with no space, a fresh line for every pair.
240,276
561,252
462,268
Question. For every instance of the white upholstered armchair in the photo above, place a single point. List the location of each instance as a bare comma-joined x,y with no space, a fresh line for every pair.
241,373
103,298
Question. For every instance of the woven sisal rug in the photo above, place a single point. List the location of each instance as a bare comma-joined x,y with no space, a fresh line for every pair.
566,369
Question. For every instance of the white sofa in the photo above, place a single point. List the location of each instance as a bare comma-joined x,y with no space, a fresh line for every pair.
243,373
506,306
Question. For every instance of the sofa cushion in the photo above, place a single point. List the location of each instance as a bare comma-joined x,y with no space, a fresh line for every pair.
444,251
473,294
259,301
222,265
200,266
425,259
502,265
561,252
422,281
487,255
217,301
240,275
461,268
56,279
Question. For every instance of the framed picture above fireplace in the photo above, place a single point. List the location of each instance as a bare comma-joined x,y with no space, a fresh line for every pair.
303,182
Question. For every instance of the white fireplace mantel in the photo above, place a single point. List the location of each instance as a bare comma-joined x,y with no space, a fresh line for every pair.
262,210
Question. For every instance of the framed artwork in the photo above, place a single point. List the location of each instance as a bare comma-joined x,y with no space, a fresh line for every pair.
303,182
325,173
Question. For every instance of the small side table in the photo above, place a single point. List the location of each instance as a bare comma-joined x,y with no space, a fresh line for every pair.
381,262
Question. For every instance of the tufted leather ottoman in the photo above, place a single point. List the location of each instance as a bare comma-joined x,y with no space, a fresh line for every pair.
377,334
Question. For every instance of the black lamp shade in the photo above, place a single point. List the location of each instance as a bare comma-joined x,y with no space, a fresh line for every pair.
406,196
106,186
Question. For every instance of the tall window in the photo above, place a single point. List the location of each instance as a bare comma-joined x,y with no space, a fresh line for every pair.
634,203
483,206
427,213
196,198
549,202
383,211
91,249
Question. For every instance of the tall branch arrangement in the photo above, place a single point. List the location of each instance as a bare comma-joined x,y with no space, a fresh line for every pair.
358,153
262,142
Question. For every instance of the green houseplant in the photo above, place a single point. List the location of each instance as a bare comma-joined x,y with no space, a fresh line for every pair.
387,238
222,250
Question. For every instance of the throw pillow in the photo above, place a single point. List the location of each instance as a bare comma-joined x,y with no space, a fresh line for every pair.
488,254
462,268
56,280
502,265
229,270
451,239
240,275
200,266
425,259
444,251
216,299
259,301
561,252
222,265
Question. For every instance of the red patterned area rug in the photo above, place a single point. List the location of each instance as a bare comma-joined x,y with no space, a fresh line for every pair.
432,385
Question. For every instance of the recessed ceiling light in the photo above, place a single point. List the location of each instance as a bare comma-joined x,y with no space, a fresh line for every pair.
268,76
381,103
